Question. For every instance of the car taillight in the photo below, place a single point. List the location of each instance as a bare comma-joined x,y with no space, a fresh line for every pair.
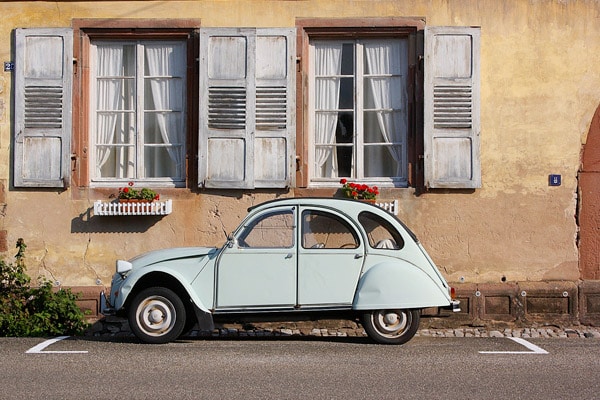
453,293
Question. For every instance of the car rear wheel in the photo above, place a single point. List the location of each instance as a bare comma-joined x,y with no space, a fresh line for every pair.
391,326
157,315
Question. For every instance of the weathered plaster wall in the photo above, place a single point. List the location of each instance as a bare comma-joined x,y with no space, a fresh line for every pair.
539,87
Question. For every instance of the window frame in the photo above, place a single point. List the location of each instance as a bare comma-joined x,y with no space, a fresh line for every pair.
309,29
140,113
87,30
360,144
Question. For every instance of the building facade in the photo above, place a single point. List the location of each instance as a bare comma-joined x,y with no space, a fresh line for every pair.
479,118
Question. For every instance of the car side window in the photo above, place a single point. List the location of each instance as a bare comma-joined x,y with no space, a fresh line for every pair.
321,230
272,230
380,232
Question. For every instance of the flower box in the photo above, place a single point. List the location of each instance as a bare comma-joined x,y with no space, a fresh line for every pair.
105,208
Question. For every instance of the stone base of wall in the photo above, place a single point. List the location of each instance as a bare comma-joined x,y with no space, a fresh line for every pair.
557,303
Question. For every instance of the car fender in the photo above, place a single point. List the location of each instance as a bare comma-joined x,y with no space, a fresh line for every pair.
398,285
136,276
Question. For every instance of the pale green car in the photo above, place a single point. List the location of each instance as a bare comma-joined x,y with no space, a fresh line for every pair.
290,259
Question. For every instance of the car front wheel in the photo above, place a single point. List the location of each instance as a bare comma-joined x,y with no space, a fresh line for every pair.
157,315
391,326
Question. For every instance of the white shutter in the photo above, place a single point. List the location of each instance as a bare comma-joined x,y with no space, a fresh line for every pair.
246,108
452,107
43,102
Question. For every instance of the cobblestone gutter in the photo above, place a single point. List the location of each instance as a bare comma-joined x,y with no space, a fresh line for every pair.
118,327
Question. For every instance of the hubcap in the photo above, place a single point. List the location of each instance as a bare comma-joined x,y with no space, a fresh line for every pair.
156,316
390,319
391,323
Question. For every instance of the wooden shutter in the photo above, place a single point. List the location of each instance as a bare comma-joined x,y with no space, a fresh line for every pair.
246,119
43,101
452,107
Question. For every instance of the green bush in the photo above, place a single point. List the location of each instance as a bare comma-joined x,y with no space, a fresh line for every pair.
35,311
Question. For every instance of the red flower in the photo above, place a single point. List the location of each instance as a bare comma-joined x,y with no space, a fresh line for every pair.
343,181
126,190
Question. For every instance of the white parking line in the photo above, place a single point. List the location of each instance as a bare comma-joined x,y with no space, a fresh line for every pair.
40,347
532,347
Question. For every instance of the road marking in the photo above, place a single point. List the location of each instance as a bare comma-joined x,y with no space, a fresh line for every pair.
39,349
532,347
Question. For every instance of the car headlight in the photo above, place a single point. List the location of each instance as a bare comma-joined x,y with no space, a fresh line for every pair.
123,267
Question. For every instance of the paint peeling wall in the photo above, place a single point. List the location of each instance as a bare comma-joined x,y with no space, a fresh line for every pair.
540,83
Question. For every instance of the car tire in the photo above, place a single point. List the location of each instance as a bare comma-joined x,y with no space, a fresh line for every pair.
391,326
157,315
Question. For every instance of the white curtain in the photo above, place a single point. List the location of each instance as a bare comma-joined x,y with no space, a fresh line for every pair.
109,100
163,60
389,94
328,66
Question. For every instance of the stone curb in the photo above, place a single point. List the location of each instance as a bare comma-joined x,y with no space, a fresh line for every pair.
121,328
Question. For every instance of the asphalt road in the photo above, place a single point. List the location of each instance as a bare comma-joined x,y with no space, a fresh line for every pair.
300,368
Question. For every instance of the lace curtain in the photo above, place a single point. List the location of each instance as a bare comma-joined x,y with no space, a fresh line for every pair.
163,62
110,103
388,94
116,126
328,66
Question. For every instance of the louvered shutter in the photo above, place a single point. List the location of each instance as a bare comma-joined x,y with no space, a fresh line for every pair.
246,108
43,101
452,107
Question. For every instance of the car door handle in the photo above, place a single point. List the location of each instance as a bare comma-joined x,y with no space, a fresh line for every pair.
289,255
357,256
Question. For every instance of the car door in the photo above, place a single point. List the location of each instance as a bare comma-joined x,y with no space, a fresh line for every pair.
257,270
330,258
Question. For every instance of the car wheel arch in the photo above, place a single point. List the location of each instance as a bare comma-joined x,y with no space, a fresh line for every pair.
163,279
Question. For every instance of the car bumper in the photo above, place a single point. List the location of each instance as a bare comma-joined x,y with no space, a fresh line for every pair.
454,306
105,307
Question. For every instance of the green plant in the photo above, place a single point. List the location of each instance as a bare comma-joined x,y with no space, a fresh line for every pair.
35,311
358,191
129,193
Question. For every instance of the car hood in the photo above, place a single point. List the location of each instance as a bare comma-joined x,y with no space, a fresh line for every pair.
177,253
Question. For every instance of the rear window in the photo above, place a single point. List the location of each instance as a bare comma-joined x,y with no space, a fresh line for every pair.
381,234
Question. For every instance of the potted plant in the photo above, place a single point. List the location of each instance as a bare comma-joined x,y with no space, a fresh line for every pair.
359,191
130,194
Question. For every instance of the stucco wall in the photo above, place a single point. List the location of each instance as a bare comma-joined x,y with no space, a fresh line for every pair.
539,89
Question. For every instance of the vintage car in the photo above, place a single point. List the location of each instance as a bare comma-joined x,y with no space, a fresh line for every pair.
290,259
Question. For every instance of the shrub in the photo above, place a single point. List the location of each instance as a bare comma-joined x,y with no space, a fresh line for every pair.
35,311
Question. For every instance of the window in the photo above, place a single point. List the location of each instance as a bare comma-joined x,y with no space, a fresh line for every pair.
138,108
274,230
359,104
388,101
322,230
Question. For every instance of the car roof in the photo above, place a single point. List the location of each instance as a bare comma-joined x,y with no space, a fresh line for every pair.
340,203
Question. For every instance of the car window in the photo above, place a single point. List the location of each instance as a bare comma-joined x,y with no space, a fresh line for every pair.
381,233
321,230
272,230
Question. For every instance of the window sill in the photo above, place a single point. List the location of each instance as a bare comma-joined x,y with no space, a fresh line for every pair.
112,208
